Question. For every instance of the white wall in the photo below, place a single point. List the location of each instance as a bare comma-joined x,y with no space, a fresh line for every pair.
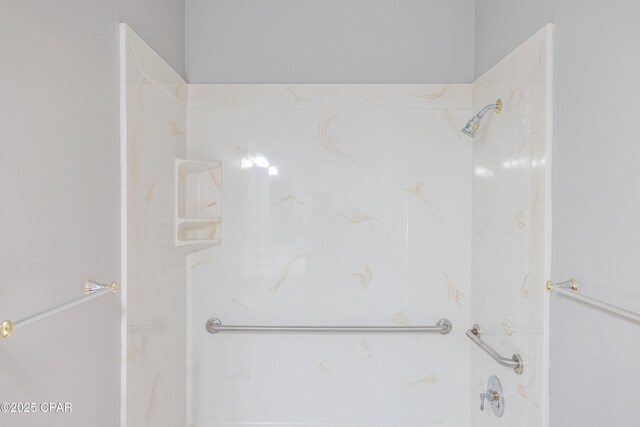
59,180
329,41
595,186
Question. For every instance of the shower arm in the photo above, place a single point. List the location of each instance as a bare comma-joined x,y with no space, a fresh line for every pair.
497,106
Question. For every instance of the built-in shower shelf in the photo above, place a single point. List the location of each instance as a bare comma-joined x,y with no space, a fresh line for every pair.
198,204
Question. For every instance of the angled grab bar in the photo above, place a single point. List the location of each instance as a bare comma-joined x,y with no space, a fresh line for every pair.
515,362
443,326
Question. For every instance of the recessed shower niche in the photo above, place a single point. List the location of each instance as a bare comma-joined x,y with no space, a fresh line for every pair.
198,204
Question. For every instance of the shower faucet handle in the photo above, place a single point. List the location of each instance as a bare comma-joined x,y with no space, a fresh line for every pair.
494,395
490,395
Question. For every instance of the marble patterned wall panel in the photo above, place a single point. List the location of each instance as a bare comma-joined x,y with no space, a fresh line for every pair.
400,96
334,214
511,231
154,289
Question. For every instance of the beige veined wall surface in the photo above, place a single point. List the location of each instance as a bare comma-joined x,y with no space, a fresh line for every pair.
342,205
154,288
511,231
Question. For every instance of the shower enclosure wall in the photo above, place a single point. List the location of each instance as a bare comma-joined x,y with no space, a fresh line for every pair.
332,205
343,205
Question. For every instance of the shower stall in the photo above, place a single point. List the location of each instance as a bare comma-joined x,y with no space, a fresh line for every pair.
336,255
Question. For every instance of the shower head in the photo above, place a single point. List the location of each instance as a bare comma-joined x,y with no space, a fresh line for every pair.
472,125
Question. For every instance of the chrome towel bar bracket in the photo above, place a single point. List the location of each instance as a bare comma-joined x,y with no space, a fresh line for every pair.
443,326
515,362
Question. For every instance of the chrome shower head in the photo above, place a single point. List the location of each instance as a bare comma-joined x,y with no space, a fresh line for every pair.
472,125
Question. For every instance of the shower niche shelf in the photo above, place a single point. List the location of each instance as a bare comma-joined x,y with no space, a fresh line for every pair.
198,204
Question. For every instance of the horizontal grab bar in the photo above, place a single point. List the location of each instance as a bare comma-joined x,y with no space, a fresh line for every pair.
92,290
516,362
570,288
443,326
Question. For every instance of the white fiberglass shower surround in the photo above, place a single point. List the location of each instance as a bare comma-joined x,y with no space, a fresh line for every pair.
333,206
